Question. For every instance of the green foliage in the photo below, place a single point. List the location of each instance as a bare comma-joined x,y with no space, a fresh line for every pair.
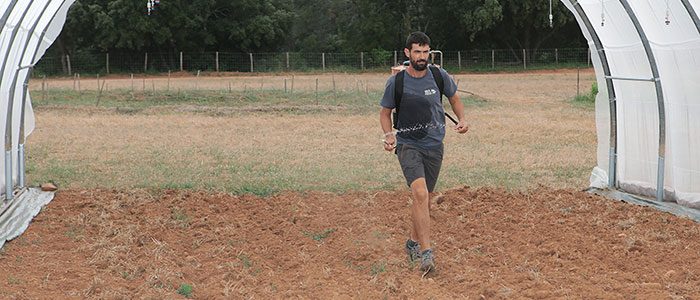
311,25
590,97
185,290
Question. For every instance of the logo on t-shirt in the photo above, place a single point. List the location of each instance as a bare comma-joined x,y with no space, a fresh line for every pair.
429,92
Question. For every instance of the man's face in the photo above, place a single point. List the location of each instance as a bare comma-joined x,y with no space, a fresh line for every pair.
418,56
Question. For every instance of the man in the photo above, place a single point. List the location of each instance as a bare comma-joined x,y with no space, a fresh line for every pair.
420,132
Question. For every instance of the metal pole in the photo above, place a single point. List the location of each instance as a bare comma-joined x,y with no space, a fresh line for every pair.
493,59
217,61
396,61
251,62
287,61
323,61
692,13
612,170
556,56
659,97
25,92
181,62
145,63
524,60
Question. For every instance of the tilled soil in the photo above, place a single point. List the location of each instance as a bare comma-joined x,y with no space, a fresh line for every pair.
489,244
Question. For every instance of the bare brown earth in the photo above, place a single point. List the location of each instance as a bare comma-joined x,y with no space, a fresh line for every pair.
490,244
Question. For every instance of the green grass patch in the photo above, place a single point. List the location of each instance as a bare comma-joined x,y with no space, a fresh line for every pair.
319,236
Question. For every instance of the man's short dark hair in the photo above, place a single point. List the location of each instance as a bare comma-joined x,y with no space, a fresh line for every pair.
417,38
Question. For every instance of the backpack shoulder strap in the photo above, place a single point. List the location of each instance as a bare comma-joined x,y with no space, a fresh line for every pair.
437,75
398,89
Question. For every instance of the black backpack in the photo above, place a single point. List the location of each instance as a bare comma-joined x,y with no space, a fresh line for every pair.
398,89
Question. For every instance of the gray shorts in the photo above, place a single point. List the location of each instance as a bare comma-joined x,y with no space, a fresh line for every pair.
420,163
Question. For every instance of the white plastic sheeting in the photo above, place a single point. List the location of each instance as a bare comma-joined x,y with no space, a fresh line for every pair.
29,27
675,53
17,213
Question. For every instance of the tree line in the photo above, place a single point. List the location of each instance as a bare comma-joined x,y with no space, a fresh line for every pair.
313,25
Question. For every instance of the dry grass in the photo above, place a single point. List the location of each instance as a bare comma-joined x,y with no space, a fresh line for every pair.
525,135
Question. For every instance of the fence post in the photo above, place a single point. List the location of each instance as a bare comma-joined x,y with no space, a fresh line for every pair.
287,61
68,62
107,63
181,61
556,56
145,63
251,62
588,64
362,61
459,59
217,61
524,60
396,62
323,61
493,59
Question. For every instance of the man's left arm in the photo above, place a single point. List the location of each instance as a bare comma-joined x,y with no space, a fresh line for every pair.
458,108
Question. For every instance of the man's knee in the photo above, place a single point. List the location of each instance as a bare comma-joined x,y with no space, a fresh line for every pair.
420,189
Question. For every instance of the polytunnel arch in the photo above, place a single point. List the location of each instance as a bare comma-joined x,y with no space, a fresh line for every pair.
637,45
29,27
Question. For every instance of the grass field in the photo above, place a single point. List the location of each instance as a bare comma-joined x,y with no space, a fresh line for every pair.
226,136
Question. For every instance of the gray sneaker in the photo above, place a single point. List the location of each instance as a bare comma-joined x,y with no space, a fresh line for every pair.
412,249
427,263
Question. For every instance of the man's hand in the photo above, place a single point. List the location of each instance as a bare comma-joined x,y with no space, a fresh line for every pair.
462,127
389,142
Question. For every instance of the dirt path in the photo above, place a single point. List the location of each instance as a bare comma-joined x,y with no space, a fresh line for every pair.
548,244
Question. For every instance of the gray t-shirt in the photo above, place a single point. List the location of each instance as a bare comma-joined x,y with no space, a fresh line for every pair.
421,117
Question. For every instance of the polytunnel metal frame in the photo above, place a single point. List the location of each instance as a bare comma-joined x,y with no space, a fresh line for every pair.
656,79
9,184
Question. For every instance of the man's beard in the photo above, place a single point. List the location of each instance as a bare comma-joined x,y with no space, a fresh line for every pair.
418,66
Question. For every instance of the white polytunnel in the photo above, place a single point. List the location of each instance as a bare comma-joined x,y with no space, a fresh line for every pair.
29,27
646,55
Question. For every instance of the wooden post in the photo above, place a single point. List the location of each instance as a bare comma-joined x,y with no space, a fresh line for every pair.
323,61
68,63
251,62
80,91
556,56
43,89
524,60
181,61
217,61
493,59
107,63
459,59
362,61
287,61
396,59
588,64
145,63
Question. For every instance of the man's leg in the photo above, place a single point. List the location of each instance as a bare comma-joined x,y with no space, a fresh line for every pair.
420,214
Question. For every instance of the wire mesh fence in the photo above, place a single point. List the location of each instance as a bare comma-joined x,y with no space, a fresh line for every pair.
160,62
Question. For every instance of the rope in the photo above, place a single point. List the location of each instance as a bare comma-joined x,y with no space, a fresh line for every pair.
551,23
602,13
668,13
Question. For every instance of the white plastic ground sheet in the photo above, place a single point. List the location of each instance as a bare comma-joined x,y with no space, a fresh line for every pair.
16,214
29,27
675,46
